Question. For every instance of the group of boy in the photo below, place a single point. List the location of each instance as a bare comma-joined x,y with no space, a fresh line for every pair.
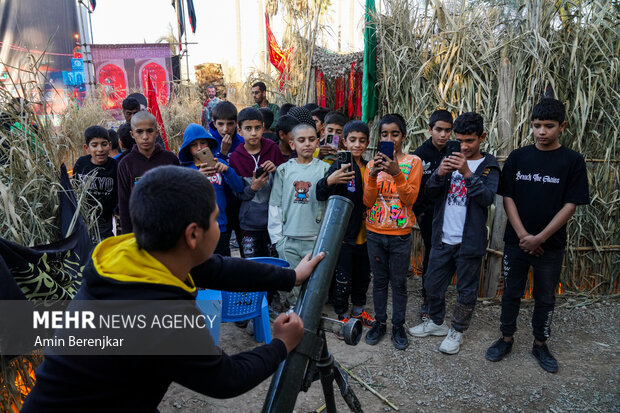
273,196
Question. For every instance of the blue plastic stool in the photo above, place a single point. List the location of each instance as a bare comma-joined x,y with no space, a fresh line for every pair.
209,302
240,306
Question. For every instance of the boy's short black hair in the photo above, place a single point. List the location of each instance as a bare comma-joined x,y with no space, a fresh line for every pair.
131,104
140,98
93,132
440,115
394,118
260,85
113,139
124,135
224,111
335,118
356,126
302,115
157,220
285,124
267,117
320,113
311,106
284,109
549,109
249,114
469,123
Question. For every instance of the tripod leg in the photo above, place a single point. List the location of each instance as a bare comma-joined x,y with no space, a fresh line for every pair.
347,392
327,378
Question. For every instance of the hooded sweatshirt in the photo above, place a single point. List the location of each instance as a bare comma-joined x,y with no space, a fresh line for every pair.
480,189
254,211
228,179
130,170
120,270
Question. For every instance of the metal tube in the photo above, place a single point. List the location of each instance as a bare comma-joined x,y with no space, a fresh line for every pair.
286,382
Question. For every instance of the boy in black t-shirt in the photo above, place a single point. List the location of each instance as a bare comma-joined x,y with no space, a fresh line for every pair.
102,168
541,184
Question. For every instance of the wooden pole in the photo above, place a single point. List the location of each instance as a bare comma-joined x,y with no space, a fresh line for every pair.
505,128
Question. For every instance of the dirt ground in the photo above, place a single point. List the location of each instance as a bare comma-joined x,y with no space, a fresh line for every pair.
585,340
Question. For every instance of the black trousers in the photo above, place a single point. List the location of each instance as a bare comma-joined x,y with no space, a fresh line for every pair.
425,222
546,275
352,277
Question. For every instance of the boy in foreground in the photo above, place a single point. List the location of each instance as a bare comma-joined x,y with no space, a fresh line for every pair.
167,257
352,274
144,156
463,188
432,151
542,184
101,168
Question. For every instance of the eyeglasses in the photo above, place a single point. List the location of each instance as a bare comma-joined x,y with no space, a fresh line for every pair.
141,131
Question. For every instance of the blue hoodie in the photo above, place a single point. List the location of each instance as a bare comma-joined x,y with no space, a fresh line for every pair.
228,179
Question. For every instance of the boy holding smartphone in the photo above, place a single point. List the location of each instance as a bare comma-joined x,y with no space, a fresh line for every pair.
196,140
463,188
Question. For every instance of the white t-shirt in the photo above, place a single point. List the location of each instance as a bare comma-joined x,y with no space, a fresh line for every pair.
456,206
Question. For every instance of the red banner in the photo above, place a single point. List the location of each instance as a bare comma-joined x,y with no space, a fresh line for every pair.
151,95
350,100
339,94
277,57
320,89
358,95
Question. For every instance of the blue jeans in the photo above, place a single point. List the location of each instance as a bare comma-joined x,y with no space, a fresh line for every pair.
443,262
546,275
389,257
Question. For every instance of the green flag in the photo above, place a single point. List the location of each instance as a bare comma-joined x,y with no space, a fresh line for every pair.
369,90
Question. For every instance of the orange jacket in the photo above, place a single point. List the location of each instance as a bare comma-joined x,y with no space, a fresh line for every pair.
389,198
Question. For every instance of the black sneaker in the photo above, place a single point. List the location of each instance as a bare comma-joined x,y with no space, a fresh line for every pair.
499,349
375,334
545,358
399,338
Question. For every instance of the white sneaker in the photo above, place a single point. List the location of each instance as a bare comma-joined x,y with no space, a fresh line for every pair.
452,343
429,328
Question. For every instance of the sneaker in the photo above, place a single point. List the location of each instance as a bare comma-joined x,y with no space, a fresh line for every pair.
375,334
366,319
452,343
545,358
340,333
429,328
499,349
399,338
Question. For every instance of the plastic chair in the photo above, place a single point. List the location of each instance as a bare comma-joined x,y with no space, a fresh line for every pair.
241,306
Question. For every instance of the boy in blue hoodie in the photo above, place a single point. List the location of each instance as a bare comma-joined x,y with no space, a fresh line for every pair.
196,138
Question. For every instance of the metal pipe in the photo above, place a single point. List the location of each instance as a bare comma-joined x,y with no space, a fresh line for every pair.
287,381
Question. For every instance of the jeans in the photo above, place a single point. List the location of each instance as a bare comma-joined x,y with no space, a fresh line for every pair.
352,277
223,245
293,250
257,244
389,257
425,221
443,262
546,275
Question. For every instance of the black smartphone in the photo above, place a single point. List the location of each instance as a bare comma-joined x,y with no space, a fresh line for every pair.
260,171
387,148
345,157
452,146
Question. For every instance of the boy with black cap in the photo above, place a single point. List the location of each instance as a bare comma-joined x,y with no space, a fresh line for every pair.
431,152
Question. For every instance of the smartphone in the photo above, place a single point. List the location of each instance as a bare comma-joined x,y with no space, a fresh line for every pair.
332,140
345,157
387,148
206,156
452,146
259,172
